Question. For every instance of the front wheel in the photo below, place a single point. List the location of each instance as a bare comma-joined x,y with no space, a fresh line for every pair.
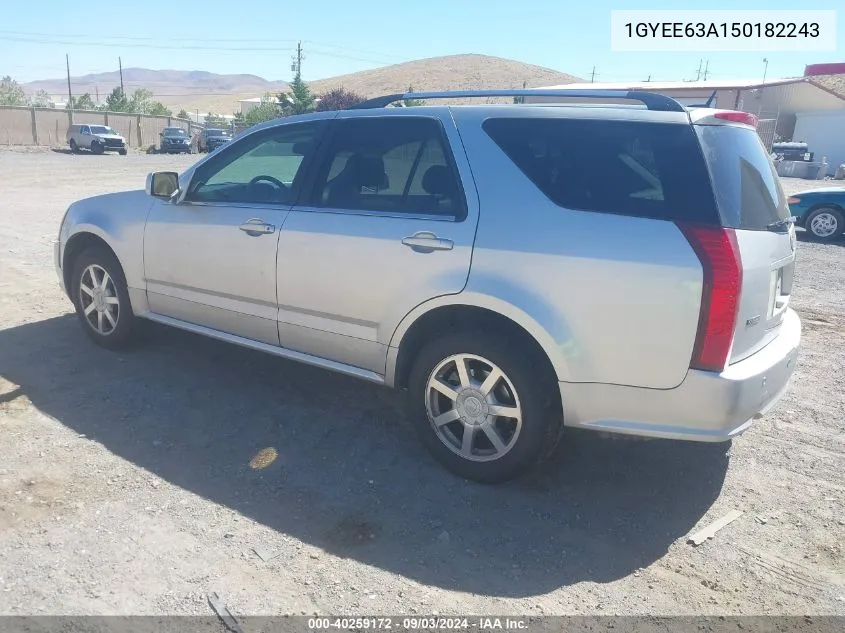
122,152
97,148
482,409
101,299
825,224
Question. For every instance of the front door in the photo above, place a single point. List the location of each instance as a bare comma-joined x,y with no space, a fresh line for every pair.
383,225
210,259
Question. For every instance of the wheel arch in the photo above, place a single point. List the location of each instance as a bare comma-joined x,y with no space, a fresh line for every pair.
485,313
77,244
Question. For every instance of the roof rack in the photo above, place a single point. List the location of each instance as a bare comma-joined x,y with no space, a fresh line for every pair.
651,100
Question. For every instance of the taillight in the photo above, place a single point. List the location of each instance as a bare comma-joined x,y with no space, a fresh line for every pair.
738,117
718,251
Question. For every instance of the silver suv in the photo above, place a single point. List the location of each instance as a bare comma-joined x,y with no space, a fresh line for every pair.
95,138
515,268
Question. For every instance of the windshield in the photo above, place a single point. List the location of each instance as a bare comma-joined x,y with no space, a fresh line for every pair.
101,129
174,131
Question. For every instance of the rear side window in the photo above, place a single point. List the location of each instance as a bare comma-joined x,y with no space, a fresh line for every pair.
747,187
641,169
397,165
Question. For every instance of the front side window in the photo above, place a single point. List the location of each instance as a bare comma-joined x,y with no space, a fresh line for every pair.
392,164
101,129
260,168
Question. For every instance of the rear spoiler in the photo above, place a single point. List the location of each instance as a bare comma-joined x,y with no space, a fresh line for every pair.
706,104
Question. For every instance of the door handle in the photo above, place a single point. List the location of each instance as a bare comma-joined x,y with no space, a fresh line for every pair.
426,241
256,226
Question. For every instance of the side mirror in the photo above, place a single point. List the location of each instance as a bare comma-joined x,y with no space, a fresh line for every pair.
162,184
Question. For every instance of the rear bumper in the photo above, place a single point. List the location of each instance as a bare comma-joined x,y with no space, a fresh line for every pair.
705,407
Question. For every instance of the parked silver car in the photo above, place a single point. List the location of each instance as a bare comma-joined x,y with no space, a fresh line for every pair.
95,138
515,268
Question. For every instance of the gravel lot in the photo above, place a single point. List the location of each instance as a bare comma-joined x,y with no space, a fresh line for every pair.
125,486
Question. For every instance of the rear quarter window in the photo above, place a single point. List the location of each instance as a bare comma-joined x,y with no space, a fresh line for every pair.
747,187
634,168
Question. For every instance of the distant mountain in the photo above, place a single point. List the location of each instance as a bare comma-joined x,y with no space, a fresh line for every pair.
189,89
210,92
453,72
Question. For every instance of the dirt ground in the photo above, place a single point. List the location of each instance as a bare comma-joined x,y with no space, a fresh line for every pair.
125,486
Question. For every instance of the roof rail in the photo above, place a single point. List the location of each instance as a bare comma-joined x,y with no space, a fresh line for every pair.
651,100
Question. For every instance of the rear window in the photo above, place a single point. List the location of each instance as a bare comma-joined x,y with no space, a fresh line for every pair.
635,168
747,187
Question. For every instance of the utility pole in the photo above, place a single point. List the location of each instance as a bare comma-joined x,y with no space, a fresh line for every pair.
765,68
296,66
120,65
69,95
593,75
97,90
705,69
698,74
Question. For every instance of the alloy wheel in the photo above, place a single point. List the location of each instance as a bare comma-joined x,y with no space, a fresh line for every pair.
473,407
98,300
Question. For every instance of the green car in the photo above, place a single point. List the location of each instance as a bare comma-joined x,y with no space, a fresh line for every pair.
820,211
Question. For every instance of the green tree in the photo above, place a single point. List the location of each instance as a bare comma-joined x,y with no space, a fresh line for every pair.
267,110
215,121
141,101
183,115
42,99
159,109
409,103
299,100
11,94
117,101
85,102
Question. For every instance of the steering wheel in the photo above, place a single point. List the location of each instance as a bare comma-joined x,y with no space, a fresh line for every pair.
275,181
278,184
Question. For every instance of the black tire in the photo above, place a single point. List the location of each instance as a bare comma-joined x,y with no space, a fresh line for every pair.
537,396
97,148
122,152
74,148
829,224
125,328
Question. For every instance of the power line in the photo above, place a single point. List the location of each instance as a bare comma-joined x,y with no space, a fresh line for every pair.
252,40
139,38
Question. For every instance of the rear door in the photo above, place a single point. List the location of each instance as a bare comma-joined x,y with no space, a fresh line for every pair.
750,200
386,226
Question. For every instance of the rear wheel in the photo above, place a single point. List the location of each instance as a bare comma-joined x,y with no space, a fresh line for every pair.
825,224
74,148
484,411
101,299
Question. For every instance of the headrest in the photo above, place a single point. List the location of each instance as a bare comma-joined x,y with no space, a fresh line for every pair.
367,171
438,180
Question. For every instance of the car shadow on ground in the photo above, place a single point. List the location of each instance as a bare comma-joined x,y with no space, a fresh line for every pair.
350,477
804,236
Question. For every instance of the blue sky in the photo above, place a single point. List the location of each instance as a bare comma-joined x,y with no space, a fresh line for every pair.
259,36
